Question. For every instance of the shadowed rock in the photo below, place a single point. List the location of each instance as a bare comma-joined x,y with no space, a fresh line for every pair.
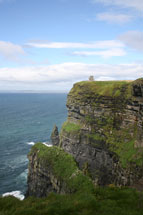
55,136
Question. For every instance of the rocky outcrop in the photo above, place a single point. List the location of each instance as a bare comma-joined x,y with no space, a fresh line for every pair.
102,141
53,170
55,136
104,130
40,178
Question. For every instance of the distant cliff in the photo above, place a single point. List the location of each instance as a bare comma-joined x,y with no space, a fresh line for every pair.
103,133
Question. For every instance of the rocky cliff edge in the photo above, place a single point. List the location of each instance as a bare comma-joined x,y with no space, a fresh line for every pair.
102,134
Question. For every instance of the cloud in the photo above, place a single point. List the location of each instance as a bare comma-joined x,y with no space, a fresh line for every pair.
70,45
133,39
114,18
109,48
133,4
10,51
105,54
62,76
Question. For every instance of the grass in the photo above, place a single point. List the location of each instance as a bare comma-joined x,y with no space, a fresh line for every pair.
63,166
101,88
119,140
104,201
70,127
122,142
128,154
96,137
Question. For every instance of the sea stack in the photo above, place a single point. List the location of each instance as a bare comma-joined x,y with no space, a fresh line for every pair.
55,136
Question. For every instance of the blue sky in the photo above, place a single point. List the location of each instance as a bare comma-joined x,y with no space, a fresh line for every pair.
49,45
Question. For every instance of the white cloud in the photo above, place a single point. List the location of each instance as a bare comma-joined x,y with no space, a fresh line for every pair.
133,39
109,48
92,45
10,51
113,17
133,4
62,76
104,78
105,54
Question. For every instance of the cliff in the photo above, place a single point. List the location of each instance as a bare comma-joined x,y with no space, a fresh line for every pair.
104,130
53,170
102,137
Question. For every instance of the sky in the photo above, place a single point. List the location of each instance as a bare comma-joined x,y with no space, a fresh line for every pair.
48,45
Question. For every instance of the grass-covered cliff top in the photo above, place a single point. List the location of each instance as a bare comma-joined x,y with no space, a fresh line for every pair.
114,89
63,166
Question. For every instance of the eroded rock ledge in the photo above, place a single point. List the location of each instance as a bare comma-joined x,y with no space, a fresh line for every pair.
53,170
103,133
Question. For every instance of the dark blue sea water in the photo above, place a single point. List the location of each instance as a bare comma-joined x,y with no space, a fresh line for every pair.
24,119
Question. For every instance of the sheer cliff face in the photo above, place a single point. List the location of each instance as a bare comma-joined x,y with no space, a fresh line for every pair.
39,178
53,170
104,130
101,140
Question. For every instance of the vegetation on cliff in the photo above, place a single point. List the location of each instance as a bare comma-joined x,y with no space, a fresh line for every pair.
95,89
70,127
63,166
112,112
122,142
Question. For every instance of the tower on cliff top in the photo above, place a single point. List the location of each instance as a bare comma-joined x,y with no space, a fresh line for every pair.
91,78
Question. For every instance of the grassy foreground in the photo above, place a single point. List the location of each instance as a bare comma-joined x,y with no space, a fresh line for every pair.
104,201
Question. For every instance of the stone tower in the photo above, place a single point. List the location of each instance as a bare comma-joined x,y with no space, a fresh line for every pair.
91,78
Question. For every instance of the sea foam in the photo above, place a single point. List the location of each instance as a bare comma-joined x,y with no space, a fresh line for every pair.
31,143
16,194
45,143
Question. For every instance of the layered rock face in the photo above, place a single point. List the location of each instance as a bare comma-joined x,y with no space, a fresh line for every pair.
41,179
53,170
104,130
102,141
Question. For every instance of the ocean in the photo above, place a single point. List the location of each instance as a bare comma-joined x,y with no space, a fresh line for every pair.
25,118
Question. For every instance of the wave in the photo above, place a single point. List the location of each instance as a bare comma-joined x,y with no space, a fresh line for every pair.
17,194
23,175
17,162
31,143
45,143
